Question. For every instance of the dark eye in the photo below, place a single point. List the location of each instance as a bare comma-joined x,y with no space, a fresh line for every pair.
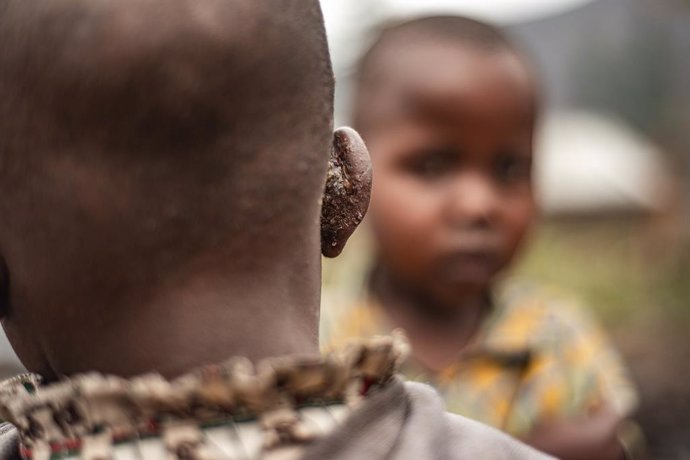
513,167
432,163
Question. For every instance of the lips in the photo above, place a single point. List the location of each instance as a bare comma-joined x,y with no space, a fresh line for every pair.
469,265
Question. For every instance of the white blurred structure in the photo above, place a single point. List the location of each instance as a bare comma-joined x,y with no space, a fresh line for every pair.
502,11
588,163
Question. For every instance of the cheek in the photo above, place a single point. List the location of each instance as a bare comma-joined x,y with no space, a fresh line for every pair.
519,216
401,206
405,216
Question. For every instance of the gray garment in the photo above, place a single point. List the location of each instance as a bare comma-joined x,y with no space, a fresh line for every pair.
404,421
9,442
409,422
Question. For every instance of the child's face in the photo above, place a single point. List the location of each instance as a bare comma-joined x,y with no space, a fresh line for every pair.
452,196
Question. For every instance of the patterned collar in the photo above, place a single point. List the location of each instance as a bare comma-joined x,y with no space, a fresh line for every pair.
94,413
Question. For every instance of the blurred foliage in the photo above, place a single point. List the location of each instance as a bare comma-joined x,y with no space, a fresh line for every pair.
622,268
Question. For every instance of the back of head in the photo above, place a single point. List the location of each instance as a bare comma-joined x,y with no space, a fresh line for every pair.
139,138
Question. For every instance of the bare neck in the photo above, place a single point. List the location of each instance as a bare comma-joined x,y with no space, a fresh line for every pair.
207,318
424,310
438,332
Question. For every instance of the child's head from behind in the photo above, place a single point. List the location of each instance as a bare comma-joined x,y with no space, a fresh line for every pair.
447,107
146,146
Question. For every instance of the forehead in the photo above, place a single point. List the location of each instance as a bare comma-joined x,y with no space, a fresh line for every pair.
450,82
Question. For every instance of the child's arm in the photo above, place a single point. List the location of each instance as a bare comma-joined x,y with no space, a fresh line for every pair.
594,437
594,393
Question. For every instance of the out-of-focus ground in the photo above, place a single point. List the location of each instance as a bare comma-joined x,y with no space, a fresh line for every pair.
636,279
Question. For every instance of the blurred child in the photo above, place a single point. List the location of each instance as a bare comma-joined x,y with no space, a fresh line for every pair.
162,171
448,108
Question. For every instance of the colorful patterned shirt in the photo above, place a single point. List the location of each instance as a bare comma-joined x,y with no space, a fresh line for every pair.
535,357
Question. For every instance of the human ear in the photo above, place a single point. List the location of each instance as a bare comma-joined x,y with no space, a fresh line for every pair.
347,192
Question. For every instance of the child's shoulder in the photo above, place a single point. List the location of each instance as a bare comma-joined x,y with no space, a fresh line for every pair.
545,301
540,314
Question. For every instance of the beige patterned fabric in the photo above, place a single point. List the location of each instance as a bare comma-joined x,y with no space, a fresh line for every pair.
396,421
230,411
537,356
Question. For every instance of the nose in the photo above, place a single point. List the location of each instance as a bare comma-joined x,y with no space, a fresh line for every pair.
472,200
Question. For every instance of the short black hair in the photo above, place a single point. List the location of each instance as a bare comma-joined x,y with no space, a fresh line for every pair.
462,30
95,70
209,120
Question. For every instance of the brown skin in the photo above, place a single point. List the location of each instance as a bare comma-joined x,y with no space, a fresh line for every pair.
453,197
453,202
168,214
347,191
123,321
590,437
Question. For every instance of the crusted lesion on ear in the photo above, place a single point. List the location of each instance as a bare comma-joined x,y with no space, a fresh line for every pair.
347,191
